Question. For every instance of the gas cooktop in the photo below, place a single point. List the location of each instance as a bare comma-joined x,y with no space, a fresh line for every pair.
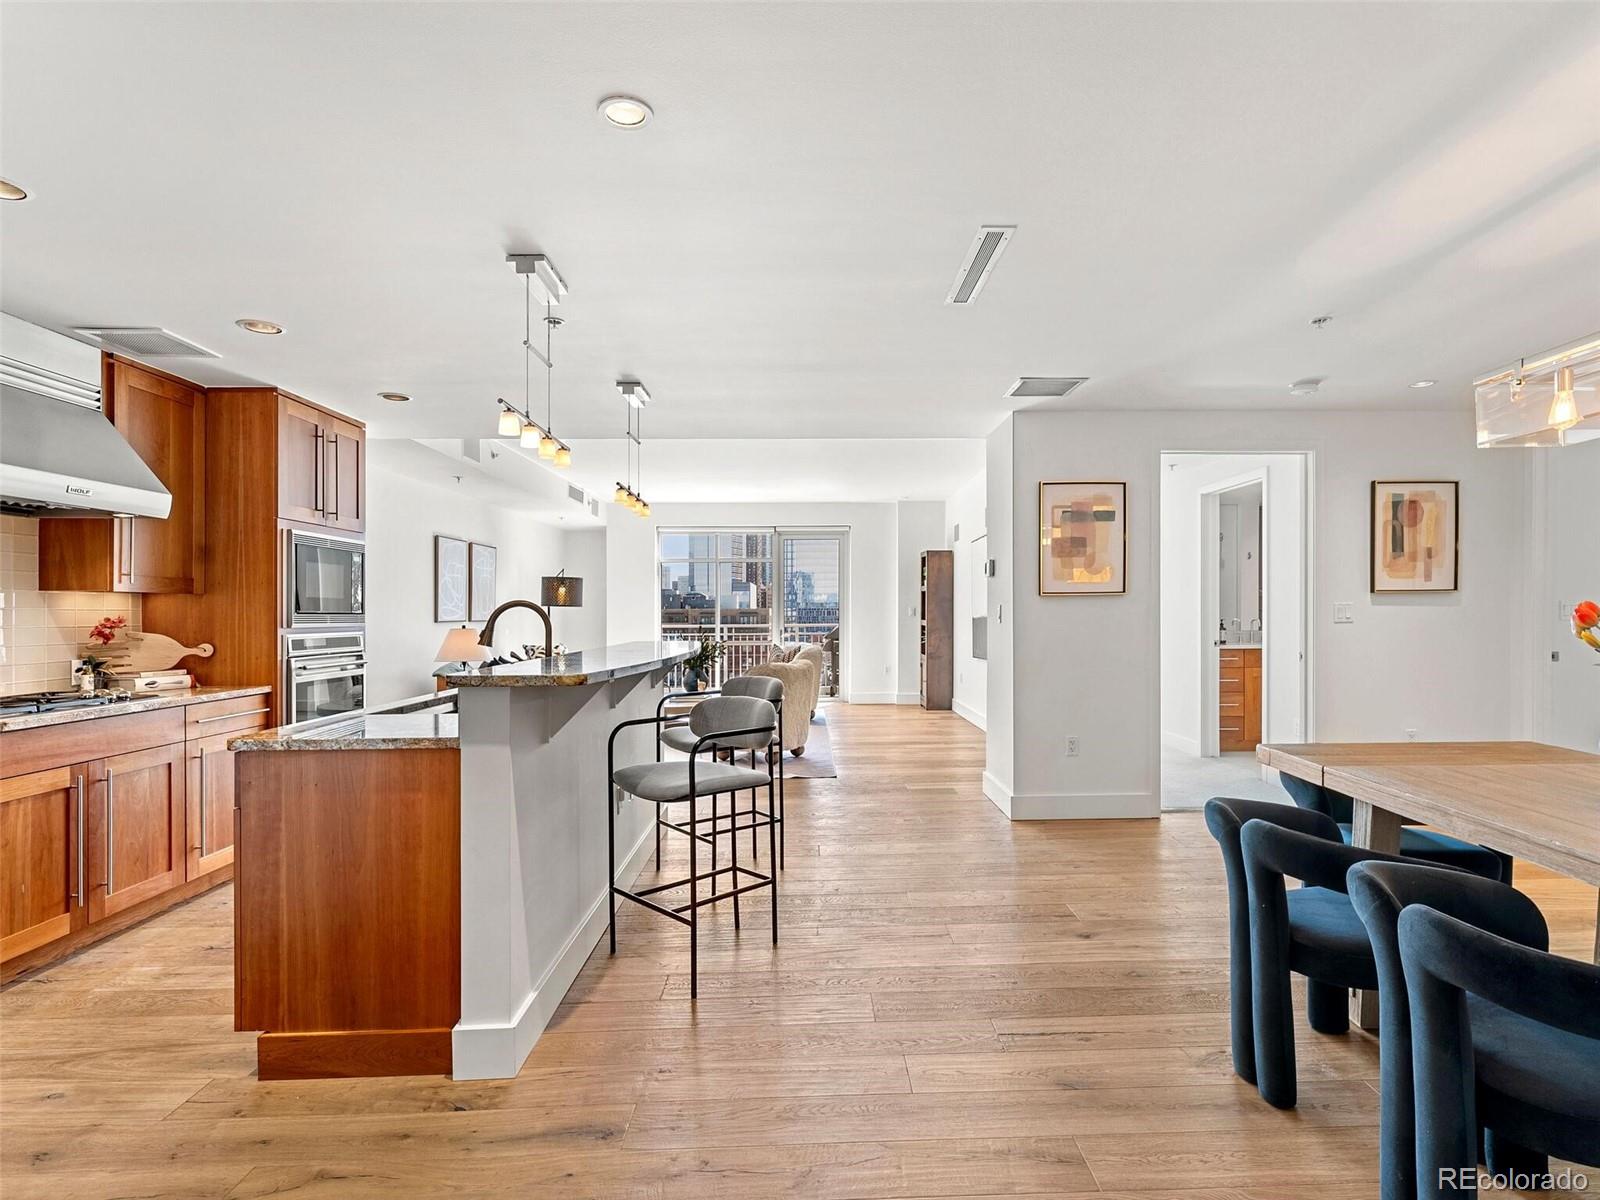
43,702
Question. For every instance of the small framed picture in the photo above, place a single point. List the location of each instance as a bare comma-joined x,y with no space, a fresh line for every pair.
449,579
1083,539
482,583
1416,536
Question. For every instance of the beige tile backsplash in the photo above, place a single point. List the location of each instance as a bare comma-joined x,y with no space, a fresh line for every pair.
42,632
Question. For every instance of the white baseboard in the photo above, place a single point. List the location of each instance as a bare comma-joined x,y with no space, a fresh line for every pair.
875,698
1184,745
485,1051
1071,806
969,714
908,698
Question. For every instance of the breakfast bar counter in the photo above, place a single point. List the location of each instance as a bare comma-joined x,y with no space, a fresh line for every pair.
419,885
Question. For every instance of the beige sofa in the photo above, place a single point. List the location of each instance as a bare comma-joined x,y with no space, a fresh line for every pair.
801,677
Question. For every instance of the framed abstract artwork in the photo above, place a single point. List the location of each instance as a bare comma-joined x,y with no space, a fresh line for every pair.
1083,539
449,578
1416,543
481,582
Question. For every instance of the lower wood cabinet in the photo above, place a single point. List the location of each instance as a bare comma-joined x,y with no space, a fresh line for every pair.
41,858
136,816
210,805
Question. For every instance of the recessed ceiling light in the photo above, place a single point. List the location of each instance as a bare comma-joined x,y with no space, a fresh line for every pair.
257,326
10,191
397,397
1305,387
1424,383
626,112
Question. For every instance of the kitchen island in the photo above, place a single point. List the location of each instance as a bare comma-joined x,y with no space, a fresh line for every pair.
418,887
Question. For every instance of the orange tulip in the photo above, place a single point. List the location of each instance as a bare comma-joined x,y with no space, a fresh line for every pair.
1586,615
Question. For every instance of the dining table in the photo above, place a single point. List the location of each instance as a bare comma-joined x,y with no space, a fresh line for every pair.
1529,800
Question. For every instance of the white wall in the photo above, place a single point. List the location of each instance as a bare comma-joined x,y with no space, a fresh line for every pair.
919,526
1186,634
869,641
583,554
1000,484
403,514
1450,665
964,523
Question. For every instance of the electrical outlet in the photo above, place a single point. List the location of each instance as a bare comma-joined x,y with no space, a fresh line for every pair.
1072,747
1411,735
1344,614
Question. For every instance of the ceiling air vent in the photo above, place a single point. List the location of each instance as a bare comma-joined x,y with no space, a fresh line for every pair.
143,342
986,250
575,493
594,507
1044,387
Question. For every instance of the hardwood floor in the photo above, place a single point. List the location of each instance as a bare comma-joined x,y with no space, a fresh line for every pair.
959,1006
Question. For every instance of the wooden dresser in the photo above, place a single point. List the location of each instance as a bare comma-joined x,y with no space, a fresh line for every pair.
1239,697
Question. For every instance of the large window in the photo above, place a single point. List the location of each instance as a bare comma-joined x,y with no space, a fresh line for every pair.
751,589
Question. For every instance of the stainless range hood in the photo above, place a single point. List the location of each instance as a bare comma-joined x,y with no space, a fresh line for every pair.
59,456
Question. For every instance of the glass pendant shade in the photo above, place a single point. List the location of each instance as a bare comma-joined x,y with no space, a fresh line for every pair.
547,447
644,508
1550,399
563,457
510,423
621,496
529,438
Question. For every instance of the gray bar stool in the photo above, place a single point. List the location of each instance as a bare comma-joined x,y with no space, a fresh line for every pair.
680,736
722,722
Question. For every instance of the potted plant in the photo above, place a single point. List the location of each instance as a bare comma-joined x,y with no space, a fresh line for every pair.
698,666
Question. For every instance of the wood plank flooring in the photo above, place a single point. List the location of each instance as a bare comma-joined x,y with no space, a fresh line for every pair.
959,1007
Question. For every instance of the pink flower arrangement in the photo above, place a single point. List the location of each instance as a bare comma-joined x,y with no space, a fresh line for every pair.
105,632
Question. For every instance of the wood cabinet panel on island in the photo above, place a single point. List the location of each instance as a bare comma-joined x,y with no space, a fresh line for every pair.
164,419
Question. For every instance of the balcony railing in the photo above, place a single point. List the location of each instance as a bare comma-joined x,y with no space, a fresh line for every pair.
747,647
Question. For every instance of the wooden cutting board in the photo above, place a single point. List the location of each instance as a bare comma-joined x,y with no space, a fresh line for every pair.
131,653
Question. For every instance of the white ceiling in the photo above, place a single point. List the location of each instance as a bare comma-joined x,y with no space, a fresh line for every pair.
1191,184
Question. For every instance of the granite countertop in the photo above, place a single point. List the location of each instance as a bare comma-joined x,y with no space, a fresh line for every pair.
426,722
146,703
584,667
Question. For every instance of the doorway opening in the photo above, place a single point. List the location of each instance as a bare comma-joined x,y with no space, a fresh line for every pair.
1235,572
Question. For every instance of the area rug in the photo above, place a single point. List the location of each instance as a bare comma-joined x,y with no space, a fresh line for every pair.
817,761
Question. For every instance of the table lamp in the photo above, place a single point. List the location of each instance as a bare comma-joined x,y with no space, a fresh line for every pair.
461,646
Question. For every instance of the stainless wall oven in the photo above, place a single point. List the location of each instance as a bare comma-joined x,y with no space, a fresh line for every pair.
326,580
325,675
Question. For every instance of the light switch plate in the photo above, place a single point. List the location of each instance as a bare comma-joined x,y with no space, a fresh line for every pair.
1344,614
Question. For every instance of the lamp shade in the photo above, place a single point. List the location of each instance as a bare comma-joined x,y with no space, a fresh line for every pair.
562,591
461,645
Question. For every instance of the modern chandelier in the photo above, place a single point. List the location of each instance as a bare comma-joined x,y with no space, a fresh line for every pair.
628,494
537,274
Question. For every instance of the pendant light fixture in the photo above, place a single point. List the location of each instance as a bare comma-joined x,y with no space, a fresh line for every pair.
537,273
627,494
1548,399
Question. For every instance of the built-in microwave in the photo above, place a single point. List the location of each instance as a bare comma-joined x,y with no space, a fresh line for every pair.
326,584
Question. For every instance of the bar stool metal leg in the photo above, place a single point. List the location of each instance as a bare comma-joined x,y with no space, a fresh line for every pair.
733,853
772,859
694,907
611,859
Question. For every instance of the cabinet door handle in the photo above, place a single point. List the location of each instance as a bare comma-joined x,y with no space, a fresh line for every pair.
202,846
79,896
250,712
316,483
111,831
333,445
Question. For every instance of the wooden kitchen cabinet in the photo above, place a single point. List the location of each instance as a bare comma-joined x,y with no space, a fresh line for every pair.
1239,698
322,463
135,823
210,803
41,864
163,419
300,473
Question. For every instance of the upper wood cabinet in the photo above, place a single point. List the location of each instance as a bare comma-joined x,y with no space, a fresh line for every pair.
322,462
164,420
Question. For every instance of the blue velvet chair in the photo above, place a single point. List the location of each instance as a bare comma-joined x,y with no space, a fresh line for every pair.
1312,930
1422,844
1503,1035
1380,891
